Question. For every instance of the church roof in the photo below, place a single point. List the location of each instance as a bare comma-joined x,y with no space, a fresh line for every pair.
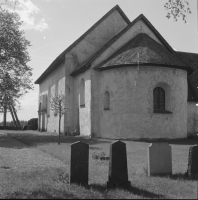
143,50
87,64
61,57
192,60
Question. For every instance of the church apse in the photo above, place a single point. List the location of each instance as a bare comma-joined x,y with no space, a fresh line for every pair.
132,111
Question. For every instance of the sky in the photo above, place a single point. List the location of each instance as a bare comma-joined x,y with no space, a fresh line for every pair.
52,25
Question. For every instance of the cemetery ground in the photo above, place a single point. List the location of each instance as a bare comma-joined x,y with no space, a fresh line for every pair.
33,165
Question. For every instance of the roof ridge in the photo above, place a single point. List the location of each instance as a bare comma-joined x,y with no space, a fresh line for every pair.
109,43
104,47
186,52
123,14
61,56
117,52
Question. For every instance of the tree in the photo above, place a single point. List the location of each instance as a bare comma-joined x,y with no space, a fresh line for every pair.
177,9
14,72
10,3
58,105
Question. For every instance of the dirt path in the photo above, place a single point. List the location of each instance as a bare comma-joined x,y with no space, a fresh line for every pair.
18,156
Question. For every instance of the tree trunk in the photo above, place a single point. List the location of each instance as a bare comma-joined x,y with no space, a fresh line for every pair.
15,124
59,129
17,120
4,117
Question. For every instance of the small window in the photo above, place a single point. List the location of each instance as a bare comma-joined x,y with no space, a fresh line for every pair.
82,92
106,100
159,99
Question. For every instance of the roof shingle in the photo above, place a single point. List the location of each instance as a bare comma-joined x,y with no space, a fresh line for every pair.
142,49
192,60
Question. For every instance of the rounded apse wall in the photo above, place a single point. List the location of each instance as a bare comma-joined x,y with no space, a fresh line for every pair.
131,111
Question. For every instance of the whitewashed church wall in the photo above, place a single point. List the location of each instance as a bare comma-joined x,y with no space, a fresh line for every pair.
52,78
192,118
53,84
131,103
138,27
95,102
82,114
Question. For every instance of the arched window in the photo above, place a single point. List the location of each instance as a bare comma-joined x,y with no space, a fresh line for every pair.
106,100
158,99
82,92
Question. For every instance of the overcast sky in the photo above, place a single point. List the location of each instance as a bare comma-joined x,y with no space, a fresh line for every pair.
52,25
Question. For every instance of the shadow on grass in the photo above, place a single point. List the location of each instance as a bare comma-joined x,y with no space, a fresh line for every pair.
40,194
131,189
182,141
181,176
31,139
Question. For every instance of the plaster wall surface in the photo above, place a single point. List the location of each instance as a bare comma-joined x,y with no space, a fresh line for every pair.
82,114
192,117
131,112
53,85
138,27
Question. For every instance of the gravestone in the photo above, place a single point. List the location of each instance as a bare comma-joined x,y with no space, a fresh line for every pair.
79,163
118,172
193,161
159,159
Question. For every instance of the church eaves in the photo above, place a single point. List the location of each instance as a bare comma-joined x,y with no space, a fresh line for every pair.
143,50
86,65
192,60
61,57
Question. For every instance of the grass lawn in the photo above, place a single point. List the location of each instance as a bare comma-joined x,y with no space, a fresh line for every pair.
53,183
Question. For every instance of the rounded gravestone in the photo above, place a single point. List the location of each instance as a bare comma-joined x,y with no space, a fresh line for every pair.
159,159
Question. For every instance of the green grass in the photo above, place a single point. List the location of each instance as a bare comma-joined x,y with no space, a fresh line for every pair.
53,183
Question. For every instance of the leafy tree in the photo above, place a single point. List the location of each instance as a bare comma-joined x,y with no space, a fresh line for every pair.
14,72
177,9
58,105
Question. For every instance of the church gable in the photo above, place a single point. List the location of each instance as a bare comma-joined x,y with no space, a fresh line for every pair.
100,35
139,25
92,40
143,50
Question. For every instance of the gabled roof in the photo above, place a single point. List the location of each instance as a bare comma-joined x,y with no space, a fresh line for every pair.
61,57
192,60
143,50
87,64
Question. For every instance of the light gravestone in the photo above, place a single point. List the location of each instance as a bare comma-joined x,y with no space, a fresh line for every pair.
118,172
79,163
193,161
159,159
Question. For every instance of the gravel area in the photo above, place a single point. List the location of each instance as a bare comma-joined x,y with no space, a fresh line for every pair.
18,156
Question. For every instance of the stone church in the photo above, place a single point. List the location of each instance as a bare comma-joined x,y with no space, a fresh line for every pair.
122,79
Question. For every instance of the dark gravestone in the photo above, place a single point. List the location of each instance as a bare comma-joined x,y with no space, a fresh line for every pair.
118,172
193,161
79,163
